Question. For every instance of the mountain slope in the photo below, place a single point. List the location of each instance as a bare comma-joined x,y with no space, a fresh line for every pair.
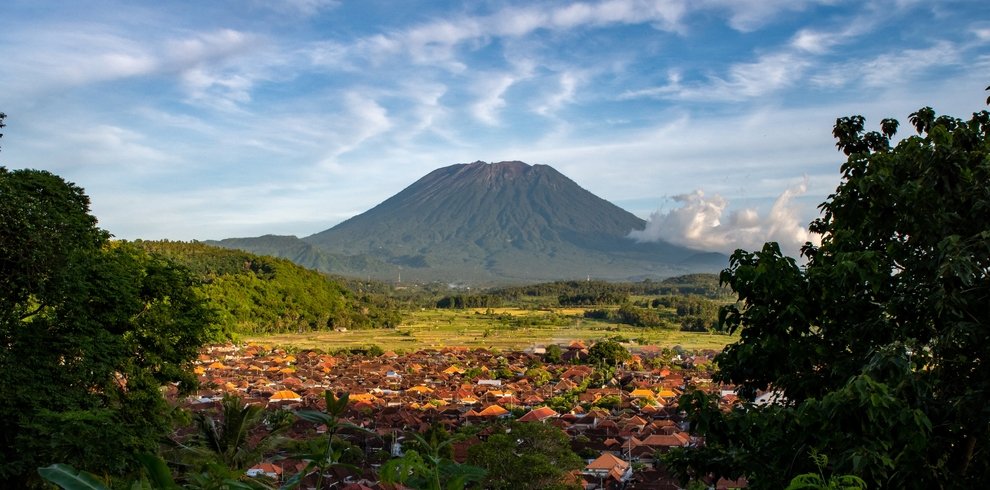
506,221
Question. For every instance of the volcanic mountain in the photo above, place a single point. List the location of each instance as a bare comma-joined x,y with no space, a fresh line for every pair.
489,222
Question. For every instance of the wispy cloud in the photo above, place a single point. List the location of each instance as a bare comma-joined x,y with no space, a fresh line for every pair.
568,83
491,97
749,15
742,81
302,7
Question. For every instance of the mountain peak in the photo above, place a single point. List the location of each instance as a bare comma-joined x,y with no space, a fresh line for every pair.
503,220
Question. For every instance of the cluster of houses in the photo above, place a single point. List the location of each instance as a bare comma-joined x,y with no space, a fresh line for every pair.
618,425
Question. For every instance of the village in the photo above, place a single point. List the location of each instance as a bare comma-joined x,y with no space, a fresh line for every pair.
619,419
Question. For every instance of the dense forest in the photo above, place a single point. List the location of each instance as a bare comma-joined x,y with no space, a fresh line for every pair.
258,294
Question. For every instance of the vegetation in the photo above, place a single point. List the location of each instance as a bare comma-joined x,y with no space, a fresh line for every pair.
255,294
89,332
429,466
607,352
880,343
525,456
226,440
432,328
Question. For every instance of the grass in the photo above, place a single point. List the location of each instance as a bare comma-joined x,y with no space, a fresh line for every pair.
502,328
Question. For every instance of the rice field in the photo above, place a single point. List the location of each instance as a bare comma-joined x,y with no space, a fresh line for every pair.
495,328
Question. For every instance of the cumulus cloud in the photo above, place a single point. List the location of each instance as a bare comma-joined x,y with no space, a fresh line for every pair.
701,222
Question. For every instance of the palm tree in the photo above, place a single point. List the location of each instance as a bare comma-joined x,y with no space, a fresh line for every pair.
227,441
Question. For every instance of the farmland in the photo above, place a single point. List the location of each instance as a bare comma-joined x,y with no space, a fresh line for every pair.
492,328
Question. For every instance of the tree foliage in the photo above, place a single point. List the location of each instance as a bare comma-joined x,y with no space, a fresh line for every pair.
228,440
257,294
89,332
607,352
881,343
427,464
525,455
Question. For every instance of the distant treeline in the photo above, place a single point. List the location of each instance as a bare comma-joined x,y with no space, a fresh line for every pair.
590,293
619,292
689,313
258,294
469,301
688,303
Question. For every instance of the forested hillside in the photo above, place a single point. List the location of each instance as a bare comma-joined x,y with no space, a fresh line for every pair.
258,294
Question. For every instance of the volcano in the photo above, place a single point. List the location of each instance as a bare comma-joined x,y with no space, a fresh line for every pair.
489,223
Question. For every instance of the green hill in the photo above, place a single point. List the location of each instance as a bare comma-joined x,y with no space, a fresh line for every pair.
260,294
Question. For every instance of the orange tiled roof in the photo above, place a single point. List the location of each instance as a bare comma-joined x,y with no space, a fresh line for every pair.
492,411
539,414
607,461
285,395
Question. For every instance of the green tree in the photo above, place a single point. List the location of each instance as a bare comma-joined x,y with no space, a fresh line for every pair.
539,376
333,452
229,441
553,354
880,344
525,456
427,464
607,353
90,330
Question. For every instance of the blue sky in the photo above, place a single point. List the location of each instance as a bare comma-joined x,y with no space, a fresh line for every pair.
204,120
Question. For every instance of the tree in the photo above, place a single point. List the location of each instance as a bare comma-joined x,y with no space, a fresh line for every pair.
607,353
881,343
526,455
90,330
229,441
429,465
331,454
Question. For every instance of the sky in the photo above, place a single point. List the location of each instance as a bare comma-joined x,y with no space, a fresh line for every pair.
710,118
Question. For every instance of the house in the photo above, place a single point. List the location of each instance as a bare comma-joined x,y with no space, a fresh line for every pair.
539,415
608,471
265,469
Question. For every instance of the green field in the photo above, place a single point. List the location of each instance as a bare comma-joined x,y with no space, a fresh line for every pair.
498,328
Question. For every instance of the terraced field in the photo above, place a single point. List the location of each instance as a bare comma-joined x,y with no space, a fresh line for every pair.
496,328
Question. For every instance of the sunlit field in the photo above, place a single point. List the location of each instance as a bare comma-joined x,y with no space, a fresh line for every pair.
497,328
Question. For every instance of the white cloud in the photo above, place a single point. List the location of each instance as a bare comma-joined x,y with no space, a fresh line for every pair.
437,42
768,74
749,15
890,68
302,7
701,223
365,119
491,91
59,56
568,82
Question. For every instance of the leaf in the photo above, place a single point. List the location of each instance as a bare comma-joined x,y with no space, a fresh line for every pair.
158,472
69,478
315,417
